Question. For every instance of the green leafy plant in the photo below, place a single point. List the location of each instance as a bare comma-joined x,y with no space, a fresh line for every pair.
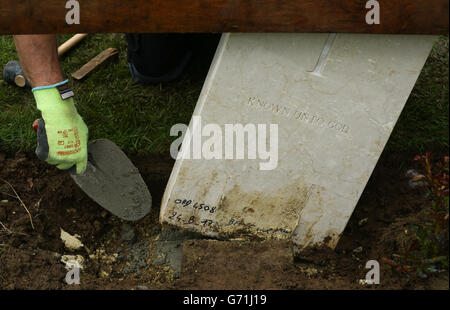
428,251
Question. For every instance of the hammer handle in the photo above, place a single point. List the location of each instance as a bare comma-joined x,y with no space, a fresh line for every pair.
63,48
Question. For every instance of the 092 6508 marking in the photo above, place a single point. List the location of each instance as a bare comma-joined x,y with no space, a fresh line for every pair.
198,206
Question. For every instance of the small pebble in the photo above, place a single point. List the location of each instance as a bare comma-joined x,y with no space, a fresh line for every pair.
358,249
363,221
71,242
411,173
103,274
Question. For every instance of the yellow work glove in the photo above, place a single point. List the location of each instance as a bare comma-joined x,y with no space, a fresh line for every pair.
61,133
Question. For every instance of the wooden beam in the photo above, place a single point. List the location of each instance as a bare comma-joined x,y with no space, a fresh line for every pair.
134,16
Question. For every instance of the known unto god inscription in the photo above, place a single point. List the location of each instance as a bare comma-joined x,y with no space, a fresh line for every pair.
307,118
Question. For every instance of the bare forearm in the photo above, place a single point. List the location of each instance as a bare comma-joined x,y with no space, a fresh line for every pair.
38,56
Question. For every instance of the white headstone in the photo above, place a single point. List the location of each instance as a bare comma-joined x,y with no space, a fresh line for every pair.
335,99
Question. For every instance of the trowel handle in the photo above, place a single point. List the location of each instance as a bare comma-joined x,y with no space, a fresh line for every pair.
36,125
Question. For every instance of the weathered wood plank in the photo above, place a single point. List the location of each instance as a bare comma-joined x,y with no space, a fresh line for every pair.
399,16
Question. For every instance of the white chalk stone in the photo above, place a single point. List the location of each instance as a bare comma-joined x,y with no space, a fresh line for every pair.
71,242
335,111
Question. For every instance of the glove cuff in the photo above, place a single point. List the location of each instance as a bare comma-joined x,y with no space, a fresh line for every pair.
55,99
50,86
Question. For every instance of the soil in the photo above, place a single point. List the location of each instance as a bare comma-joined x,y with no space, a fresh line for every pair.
37,201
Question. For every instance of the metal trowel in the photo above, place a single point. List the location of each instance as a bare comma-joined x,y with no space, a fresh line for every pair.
112,181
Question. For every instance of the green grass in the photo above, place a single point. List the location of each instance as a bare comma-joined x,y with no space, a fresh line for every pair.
423,124
138,118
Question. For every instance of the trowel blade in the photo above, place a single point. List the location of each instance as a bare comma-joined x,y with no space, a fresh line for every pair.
114,182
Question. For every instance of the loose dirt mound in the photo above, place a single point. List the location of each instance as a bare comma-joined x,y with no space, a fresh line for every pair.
122,255
211,264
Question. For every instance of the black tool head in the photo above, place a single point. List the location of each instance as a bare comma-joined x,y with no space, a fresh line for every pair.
13,74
